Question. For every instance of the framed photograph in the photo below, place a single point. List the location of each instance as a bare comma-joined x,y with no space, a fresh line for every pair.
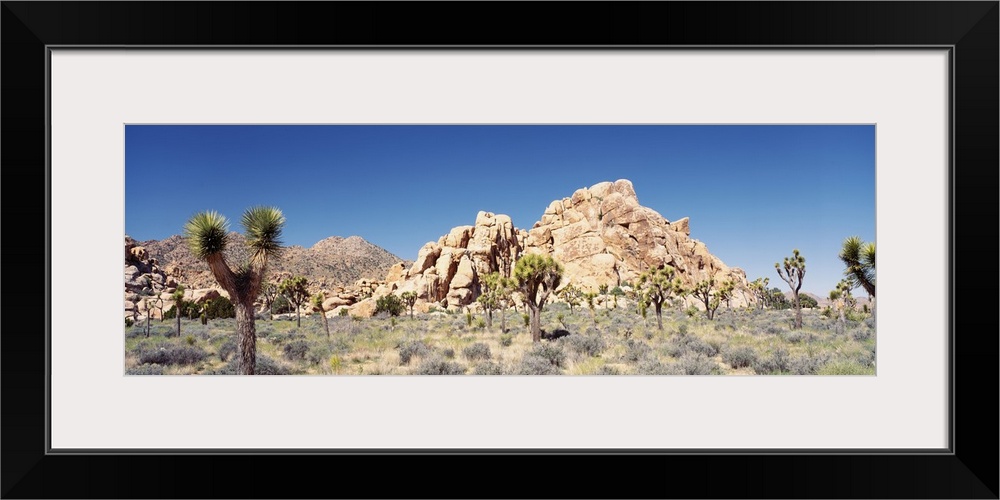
196,104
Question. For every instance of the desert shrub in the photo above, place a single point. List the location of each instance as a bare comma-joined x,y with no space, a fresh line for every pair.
390,304
691,311
449,353
227,349
506,339
678,346
318,354
695,364
649,365
607,370
480,323
682,329
129,322
774,329
775,362
149,369
526,318
536,365
409,349
860,334
739,356
438,366
635,350
173,355
845,368
584,344
487,368
219,307
797,336
190,340
477,351
281,305
806,364
296,350
549,352
468,319
265,366
342,313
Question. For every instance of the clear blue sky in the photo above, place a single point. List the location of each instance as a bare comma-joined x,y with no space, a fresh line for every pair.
753,193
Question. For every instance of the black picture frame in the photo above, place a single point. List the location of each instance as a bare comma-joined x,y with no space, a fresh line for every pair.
970,29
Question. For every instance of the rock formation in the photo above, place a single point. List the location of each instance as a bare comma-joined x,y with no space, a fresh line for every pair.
601,235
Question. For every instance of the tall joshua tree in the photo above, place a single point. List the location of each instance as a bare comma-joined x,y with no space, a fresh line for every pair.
317,303
537,276
658,283
296,291
208,235
859,259
409,298
792,271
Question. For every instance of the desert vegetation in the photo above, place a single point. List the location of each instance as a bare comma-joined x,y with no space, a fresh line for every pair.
743,341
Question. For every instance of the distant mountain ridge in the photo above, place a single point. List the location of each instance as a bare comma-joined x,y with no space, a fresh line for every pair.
331,262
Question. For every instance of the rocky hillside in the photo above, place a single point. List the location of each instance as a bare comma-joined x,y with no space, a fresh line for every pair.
601,235
334,261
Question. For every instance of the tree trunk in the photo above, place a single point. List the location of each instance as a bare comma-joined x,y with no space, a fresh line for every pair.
489,319
178,307
798,312
298,316
659,315
503,320
536,324
326,322
246,333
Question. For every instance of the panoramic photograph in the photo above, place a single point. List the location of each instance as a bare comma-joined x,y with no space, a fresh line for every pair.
512,250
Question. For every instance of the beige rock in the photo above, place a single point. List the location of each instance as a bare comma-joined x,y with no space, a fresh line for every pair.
682,225
465,274
396,273
364,309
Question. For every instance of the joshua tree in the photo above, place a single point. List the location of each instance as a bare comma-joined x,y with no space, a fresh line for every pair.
616,292
409,298
496,295
269,292
178,298
726,292
572,295
295,290
537,276
317,303
589,297
859,259
207,235
792,272
703,292
658,283
758,288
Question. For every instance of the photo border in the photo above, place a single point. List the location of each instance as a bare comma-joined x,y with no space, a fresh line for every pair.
969,28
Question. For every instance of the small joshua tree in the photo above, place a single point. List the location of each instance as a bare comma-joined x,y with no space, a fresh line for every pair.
409,298
269,292
589,298
179,302
496,295
572,295
792,271
616,292
537,276
296,291
758,288
703,292
317,303
207,235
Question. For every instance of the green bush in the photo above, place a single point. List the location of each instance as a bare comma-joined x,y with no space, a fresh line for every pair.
389,304
219,307
506,339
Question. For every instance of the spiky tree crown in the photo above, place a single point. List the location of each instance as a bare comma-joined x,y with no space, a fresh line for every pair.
263,226
207,234
537,271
